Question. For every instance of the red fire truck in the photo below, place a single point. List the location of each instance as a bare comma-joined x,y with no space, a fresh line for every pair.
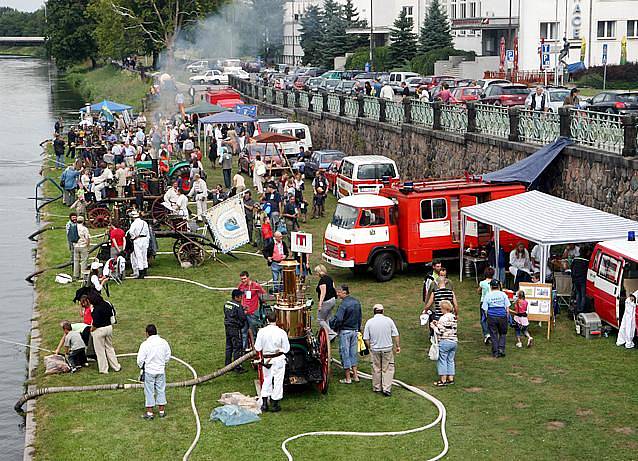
409,223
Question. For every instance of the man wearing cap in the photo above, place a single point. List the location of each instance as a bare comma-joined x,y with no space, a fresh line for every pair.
81,248
379,334
234,322
273,344
496,304
139,235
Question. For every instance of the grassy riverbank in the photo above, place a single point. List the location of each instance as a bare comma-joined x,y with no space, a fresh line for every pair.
31,51
108,82
563,399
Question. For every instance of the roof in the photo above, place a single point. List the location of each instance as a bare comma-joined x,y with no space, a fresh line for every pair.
623,247
550,220
365,200
360,159
288,125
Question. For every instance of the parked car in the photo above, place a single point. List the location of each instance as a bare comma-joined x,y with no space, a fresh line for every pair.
347,87
332,74
467,93
555,98
313,72
350,74
328,85
321,159
210,77
197,67
265,121
484,83
505,94
301,83
314,83
433,80
269,155
240,73
615,102
414,83
396,78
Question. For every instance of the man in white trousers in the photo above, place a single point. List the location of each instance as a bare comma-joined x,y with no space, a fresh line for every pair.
273,344
139,233
199,190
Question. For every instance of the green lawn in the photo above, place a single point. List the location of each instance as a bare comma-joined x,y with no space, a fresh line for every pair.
108,82
565,399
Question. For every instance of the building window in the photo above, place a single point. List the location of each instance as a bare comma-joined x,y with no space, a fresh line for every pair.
408,11
549,30
632,28
453,11
463,10
473,10
606,29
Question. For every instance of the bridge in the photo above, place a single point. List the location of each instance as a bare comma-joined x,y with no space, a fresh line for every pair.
21,41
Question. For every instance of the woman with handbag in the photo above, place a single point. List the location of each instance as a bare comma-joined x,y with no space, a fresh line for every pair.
447,340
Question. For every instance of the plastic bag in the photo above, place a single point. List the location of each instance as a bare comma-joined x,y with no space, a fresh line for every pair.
233,415
55,364
433,353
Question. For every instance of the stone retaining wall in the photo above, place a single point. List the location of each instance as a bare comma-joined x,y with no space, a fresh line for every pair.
605,181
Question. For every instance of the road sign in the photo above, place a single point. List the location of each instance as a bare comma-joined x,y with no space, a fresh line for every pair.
545,55
604,54
509,54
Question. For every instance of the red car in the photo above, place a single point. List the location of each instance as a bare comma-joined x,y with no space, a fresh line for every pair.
467,93
433,80
300,83
506,94
274,161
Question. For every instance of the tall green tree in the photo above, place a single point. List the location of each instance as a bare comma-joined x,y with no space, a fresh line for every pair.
114,39
334,41
403,41
70,32
435,32
311,34
351,18
14,23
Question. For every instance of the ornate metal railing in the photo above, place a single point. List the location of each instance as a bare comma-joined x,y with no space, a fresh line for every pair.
371,108
492,120
595,129
333,103
290,98
538,127
351,107
317,102
279,97
304,100
454,118
270,95
394,112
422,113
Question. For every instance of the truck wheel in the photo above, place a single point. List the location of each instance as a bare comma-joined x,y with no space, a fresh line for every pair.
384,267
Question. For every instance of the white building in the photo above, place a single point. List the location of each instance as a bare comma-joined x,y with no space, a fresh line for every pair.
294,10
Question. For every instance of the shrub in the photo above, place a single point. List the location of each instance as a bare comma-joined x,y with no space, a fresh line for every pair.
362,55
620,77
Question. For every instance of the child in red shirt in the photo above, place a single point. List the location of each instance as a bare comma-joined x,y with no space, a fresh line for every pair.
266,232
521,322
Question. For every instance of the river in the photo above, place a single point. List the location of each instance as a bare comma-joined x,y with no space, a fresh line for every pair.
32,96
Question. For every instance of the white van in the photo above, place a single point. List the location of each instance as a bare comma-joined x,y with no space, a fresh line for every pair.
396,78
365,174
298,130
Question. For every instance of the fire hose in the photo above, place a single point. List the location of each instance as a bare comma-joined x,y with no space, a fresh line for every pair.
441,418
118,386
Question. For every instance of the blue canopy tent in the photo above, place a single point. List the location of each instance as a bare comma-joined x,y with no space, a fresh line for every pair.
529,169
227,117
107,105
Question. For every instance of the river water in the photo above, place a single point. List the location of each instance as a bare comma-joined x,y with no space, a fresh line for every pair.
32,96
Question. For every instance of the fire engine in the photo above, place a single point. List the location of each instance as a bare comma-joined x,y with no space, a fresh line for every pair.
409,223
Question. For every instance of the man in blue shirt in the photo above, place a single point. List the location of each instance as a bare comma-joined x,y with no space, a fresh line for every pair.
69,182
273,198
347,321
496,305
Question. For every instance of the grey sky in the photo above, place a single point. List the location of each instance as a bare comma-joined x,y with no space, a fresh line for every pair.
23,5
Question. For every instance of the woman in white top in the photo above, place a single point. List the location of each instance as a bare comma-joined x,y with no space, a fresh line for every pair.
97,280
519,259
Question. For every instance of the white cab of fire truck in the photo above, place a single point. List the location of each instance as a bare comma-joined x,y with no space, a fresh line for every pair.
365,174
362,231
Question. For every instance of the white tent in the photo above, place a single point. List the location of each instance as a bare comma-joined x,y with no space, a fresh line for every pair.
546,220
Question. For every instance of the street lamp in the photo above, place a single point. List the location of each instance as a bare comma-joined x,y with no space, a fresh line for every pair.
371,38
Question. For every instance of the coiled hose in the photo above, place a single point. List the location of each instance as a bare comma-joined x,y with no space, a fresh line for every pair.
441,418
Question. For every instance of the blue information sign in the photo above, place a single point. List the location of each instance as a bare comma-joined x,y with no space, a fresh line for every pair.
246,109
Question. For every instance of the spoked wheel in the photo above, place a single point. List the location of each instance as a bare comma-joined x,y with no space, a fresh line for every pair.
192,253
158,211
324,358
180,225
176,245
99,217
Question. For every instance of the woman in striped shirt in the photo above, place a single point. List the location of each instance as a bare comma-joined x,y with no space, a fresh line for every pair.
440,293
445,330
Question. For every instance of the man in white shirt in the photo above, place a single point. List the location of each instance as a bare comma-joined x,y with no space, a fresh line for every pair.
129,154
140,137
273,344
379,334
81,249
535,256
199,190
537,101
387,92
101,182
152,357
139,233
181,204
170,197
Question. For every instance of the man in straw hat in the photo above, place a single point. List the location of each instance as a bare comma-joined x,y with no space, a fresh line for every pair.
379,334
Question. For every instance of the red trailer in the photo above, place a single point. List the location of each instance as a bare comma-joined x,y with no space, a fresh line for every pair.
409,223
225,97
